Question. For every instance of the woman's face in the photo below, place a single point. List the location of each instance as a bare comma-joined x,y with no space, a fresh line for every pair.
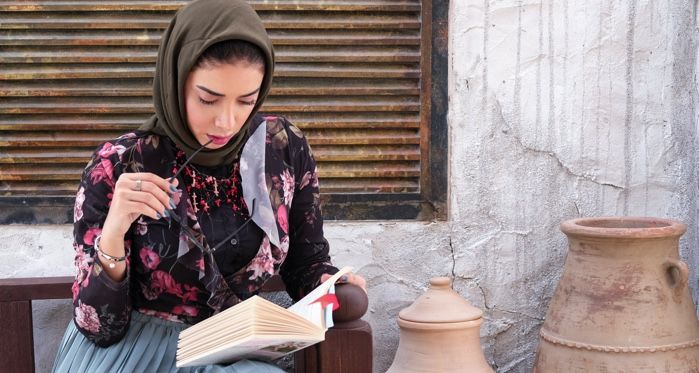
219,99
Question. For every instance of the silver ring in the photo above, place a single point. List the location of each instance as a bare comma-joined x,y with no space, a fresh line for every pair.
139,185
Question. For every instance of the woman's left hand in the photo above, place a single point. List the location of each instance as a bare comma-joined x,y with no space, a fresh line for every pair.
347,278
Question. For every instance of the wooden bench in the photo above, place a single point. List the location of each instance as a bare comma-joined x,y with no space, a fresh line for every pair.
347,347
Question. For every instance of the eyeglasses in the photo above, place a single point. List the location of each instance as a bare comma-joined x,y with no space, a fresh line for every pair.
186,229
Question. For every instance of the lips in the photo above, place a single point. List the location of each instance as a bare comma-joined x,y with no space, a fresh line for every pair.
219,140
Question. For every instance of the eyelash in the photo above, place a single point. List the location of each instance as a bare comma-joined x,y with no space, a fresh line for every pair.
249,103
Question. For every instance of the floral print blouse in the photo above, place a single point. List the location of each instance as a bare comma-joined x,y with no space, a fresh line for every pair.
171,277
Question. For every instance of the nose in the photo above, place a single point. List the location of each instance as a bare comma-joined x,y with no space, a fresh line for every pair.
227,118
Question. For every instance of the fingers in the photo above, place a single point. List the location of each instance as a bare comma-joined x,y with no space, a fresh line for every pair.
147,200
356,280
140,208
145,193
348,278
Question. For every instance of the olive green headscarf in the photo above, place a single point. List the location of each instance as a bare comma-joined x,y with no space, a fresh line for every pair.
193,29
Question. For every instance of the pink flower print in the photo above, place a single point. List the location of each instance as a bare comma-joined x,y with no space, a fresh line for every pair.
141,227
149,258
103,171
163,282
109,149
262,262
75,289
78,209
200,264
159,314
283,247
190,293
305,180
283,218
81,260
86,318
288,180
127,136
108,168
82,263
89,237
185,310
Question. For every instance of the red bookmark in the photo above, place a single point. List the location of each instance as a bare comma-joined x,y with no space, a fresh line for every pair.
328,299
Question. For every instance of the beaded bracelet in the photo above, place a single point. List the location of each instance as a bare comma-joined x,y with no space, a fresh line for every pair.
112,259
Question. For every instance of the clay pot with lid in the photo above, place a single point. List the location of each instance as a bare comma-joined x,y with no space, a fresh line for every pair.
622,303
440,332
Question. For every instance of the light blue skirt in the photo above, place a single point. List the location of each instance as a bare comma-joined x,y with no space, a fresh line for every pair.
150,345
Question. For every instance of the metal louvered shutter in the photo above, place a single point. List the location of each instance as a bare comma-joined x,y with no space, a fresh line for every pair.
76,73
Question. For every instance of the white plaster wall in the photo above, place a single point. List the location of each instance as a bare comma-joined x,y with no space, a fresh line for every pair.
560,109
557,109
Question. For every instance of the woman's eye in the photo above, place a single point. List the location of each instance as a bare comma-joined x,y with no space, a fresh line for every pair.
249,103
206,102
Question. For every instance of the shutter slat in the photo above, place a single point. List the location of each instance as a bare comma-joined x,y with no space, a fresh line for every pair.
125,55
34,188
368,185
78,73
126,122
121,122
92,138
119,71
354,185
20,21
370,169
366,153
152,38
321,153
99,105
143,88
76,157
278,5
40,172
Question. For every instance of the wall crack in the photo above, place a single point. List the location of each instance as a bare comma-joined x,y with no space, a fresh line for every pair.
508,130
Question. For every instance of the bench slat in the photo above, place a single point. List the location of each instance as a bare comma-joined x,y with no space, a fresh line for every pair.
34,288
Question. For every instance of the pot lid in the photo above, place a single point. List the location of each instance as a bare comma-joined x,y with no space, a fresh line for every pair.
440,304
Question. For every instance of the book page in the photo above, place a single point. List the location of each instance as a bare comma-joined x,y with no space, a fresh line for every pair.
258,347
314,312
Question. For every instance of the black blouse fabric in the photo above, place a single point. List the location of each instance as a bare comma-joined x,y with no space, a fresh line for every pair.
167,276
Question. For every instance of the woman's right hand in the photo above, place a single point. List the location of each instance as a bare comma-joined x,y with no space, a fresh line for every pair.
136,194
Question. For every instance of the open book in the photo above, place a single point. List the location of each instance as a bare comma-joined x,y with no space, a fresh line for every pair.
259,329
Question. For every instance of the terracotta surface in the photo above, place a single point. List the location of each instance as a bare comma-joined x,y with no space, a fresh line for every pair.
440,332
622,303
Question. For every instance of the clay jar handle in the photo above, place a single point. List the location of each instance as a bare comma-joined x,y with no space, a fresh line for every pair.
677,274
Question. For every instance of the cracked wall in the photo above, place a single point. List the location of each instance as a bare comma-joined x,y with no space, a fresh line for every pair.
556,110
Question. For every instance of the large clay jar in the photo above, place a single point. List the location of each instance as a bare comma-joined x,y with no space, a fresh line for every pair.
622,304
440,333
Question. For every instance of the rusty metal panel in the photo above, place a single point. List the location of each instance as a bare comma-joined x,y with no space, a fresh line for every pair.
76,73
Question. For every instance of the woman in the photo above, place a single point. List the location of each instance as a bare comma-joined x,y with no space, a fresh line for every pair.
193,212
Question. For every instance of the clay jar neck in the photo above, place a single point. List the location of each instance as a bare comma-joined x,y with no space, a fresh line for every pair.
623,237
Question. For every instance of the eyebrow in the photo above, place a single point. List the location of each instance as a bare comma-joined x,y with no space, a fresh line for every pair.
221,94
